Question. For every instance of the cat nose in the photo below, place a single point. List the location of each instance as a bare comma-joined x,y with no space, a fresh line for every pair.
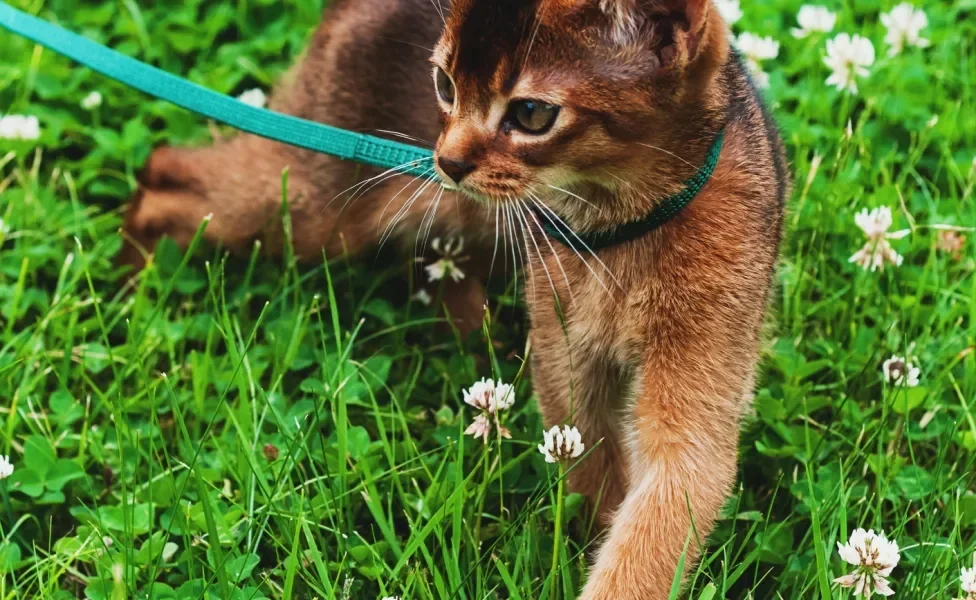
455,169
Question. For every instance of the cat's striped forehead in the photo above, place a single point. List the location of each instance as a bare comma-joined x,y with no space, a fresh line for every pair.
488,45
485,40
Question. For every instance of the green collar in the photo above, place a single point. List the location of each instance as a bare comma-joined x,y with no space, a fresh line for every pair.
665,210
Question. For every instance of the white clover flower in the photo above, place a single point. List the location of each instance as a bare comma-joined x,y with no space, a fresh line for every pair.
480,427
490,398
967,580
730,10
6,467
757,48
92,101
561,444
875,223
877,251
20,127
447,266
848,58
905,24
814,19
169,551
443,269
255,98
874,558
874,256
422,296
754,50
899,371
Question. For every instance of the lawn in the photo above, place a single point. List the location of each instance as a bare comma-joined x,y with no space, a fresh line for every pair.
234,427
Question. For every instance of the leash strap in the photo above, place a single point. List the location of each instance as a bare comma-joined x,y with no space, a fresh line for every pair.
347,145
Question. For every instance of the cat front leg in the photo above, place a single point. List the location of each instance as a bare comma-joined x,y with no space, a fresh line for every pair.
236,184
682,457
580,389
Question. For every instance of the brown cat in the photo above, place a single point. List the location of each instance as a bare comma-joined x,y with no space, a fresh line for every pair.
585,114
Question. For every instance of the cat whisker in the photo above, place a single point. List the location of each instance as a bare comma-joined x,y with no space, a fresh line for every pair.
530,235
425,174
404,210
439,9
417,253
504,239
391,228
393,39
552,249
376,180
430,205
617,177
401,135
642,192
527,269
578,197
535,34
668,152
430,223
494,251
523,250
630,184
622,181
553,218
560,225
510,224
440,194
389,173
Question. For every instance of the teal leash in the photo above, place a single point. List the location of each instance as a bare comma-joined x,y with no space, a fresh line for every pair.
347,145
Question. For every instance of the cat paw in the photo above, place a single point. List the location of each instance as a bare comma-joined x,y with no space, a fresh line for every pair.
169,201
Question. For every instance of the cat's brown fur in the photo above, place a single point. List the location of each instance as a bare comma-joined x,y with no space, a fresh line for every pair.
654,352
371,87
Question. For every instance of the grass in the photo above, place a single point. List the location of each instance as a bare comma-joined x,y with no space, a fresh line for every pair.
252,428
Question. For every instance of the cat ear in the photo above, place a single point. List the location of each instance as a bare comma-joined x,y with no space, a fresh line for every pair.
626,17
676,26
681,28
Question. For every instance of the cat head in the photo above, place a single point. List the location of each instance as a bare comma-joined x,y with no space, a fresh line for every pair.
537,95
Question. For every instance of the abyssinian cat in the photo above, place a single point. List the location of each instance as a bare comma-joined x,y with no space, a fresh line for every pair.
585,114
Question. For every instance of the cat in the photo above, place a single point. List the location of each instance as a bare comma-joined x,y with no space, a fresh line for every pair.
583,114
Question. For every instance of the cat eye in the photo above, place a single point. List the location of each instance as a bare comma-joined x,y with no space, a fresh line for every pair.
533,116
444,85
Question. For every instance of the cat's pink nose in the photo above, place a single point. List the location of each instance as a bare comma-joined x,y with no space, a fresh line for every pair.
455,169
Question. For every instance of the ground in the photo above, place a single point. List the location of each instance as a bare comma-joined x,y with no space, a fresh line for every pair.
233,428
